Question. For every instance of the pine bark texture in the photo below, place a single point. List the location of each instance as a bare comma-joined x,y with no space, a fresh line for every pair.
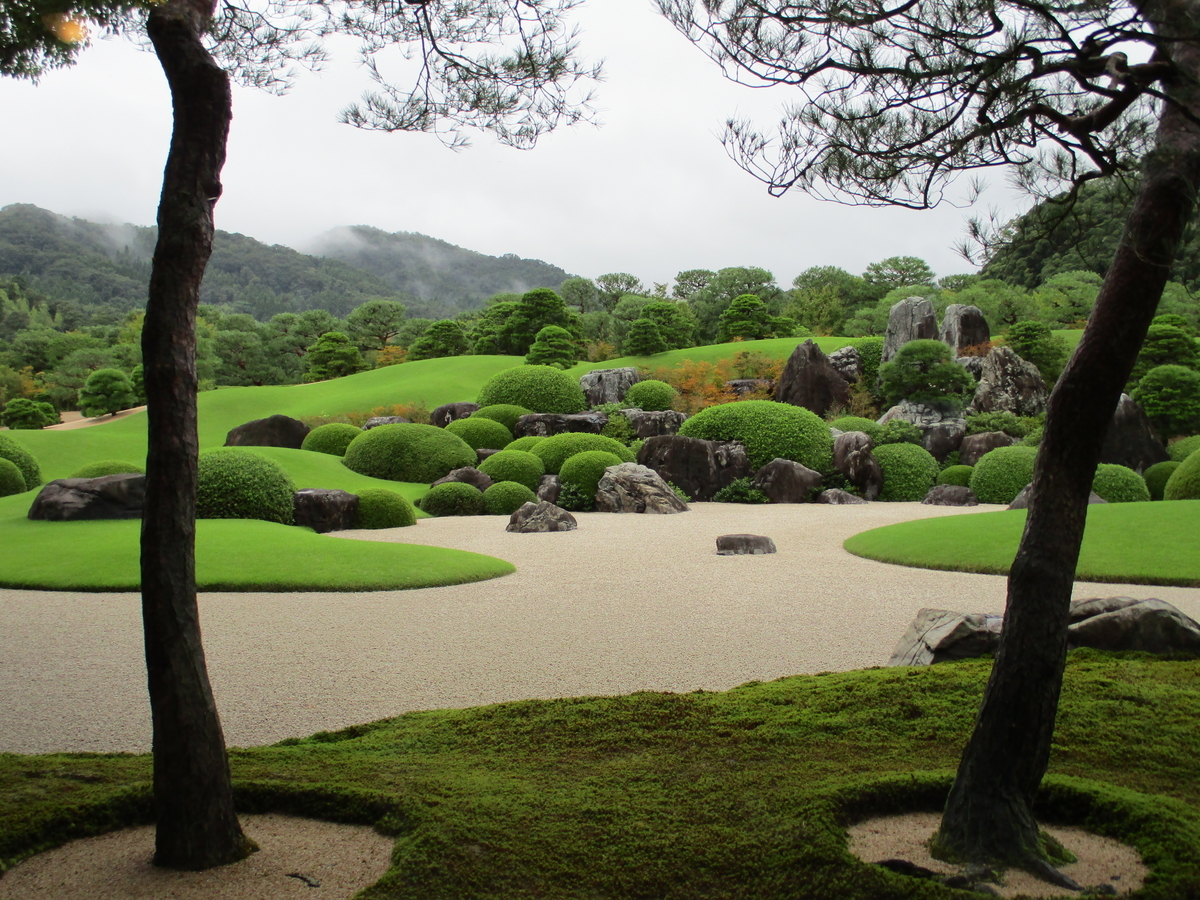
193,795
988,816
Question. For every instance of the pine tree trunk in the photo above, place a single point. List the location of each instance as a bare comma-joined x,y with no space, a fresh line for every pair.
988,816
193,796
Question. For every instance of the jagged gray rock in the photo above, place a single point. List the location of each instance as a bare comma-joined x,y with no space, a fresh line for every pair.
325,510
963,326
744,545
697,467
448,412
938,635
973,365
911,319
540,518
942,428
273,431
547,424
950,495
1131,440
838,497
852,457
466,475
785,481
376,421
608,385
549,488
1008,383
848,362
630,488
810,380
85,499
975,446
654,423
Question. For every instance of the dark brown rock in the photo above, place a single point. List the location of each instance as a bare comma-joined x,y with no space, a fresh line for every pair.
325,510
942,428
950,495
975,446
744,545
85,499
467,475
273,431
784,481
909,320
608,385
838,497
448,412
654,423
1131,440
539,518
484,452
962,327
549,488
630,488
547,424
1009,384
697,467
853,458
810,380
376,421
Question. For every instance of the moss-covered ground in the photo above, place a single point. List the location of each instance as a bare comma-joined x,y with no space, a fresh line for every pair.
738,794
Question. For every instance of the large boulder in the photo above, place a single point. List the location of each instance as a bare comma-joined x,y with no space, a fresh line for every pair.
78,499
630,488
539,518
848,362
1008,383
324,510
466,475
654,423
909,320
975,446
608,385
810,380
273,431
950,495
448,412
838,497
938,635
942,428
376,421
1131,440
744,545
547,424
697,467
963,326
784,481
853,458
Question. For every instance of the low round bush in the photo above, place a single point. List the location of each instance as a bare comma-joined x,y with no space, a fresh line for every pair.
107,467
740,490
1001,474
857,423
650,395
332,438
480,433
504,413
897,431
909,472
526,443
239,484
11,479
408,452
453,499
557,449
1120,484
769,431
543,389
1178,450
514,465
956,475
22,459
584,470
1184,483
381,508
505,497
1157,475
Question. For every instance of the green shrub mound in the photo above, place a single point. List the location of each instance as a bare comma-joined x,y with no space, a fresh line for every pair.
239,484
481,433
543,389
897,431
769,430
857,423
1120,484
740,490
1001,474
650,395
381,508
1179,450
1157,475
956,475
504,413
526,443
409,452
1184,483
11,479
23,460
514,465
107,467
332,438
557,449
584,470
505,497
454,499
909,472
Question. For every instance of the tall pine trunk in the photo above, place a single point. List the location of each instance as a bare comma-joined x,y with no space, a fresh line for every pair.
193,795
988,816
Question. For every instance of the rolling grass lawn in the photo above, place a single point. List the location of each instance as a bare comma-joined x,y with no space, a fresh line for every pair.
737,794
1125,543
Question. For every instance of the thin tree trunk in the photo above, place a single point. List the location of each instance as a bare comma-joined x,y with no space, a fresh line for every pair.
988,816
193,796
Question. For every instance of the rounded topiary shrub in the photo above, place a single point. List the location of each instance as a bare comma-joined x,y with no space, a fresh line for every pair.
543,389
11,479
526,443
107,467
504,413
584,470
1001,474
381,508
1184,483
239,484
557,449
22,459
505,497
409,452
454,499
857,423
1157,475
956,475
1120,484
480,433
769,430
332,438
514,465
1178,451
909,472
650,395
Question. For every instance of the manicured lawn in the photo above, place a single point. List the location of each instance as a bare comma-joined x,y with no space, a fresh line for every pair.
738,794
1128,543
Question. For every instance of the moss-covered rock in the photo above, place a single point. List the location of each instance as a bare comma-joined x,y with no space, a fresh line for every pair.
1001,473
1120,484
543,389
381,508
107,467
505,497
481,433
956,475
11,479
557,449
650,395
332,438
454,499
514,465
504,413
409,452
909,472
769,430
1157,475
23,460
239,484
583,471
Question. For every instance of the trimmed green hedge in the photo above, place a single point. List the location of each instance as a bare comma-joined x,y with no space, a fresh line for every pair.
583,471
408,452
769,430
557,449
1120,484
481,433
1179,450
956,475
107,467
543,389
909,472
381,508
526,443
857,423
504,413
454,498
11,479
332,438
1157,475
1184,483
514,465
1001,473
22,459
239,484
505,497
650,395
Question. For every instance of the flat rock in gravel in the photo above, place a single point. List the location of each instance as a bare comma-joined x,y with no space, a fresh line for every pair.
540,518
838,497
744,545
950,495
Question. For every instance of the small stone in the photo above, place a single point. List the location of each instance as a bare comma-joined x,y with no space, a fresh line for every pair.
744,545
838,497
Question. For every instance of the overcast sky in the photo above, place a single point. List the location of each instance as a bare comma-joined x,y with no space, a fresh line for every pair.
650,192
